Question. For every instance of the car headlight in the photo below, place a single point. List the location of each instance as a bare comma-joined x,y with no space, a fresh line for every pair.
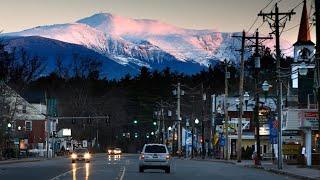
109,151
87,156
73,156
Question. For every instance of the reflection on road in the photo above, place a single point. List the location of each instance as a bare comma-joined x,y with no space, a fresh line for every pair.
75,169
87,170
114,158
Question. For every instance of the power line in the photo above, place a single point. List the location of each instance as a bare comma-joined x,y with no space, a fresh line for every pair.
255,21
297,25
266,5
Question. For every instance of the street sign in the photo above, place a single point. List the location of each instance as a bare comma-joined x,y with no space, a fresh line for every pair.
222,142
291,149
273,126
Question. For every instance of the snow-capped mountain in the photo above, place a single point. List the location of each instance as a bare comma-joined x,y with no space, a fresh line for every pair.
142,42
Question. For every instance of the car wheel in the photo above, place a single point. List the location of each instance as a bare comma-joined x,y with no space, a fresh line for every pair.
167,169
141,169
73,161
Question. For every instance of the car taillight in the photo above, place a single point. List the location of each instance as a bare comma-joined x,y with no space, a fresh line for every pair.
142,156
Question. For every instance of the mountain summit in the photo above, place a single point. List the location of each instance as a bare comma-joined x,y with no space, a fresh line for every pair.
143,42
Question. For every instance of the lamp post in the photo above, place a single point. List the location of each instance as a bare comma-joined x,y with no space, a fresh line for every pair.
239,130
196,122
265,88
204,98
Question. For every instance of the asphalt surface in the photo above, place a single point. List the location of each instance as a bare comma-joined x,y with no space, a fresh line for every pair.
126,168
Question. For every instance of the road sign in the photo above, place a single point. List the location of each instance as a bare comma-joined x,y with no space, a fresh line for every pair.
222,142
273,126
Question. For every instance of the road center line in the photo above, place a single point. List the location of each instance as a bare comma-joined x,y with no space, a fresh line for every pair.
123,172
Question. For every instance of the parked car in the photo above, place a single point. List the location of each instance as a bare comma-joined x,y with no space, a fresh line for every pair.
155,156
80,154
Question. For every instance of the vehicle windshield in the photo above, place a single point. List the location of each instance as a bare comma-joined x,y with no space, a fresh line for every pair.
117,149
155,149
80,150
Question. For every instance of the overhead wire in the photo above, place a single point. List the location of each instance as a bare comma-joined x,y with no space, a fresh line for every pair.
297,25
255,21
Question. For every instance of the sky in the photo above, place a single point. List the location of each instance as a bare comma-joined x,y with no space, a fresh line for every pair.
221,15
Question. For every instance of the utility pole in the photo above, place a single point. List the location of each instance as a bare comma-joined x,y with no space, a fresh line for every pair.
279,20
239,142
202,123
192,130
241,94
226,118
163,125
179,118
317,60
48,124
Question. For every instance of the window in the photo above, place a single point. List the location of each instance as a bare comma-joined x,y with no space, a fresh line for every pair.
155,149
28,126
24,109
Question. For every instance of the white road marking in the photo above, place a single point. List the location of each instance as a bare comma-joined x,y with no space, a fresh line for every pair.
123,172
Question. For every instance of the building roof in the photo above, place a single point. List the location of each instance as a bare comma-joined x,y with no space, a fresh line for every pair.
304,37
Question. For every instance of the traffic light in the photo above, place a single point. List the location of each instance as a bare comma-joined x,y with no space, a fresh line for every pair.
135,135
154,123
135,121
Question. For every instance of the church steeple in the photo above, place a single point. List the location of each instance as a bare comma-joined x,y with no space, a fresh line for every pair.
304,37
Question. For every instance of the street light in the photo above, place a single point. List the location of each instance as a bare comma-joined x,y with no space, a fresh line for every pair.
196,121
169,128
9,125
265,86
19,128
303,70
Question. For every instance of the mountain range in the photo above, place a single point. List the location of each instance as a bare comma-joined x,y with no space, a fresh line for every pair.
124,45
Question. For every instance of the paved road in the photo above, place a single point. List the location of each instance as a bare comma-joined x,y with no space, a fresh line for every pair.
126,168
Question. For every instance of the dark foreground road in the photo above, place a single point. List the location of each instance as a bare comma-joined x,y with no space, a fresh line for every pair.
126,168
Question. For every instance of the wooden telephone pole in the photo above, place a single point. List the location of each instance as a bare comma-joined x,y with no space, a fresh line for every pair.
257,42
317,59
278,20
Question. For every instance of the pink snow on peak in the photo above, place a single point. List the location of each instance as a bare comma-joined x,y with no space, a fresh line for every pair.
119,25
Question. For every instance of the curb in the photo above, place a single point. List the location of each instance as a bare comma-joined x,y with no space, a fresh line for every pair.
275,171
212,160
271,170
19,161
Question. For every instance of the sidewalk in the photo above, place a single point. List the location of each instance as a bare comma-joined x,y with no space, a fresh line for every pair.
22,160
15,160
289,170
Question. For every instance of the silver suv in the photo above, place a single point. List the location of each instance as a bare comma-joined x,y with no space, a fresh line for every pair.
155,156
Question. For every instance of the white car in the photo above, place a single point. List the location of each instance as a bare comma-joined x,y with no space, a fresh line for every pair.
155,156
